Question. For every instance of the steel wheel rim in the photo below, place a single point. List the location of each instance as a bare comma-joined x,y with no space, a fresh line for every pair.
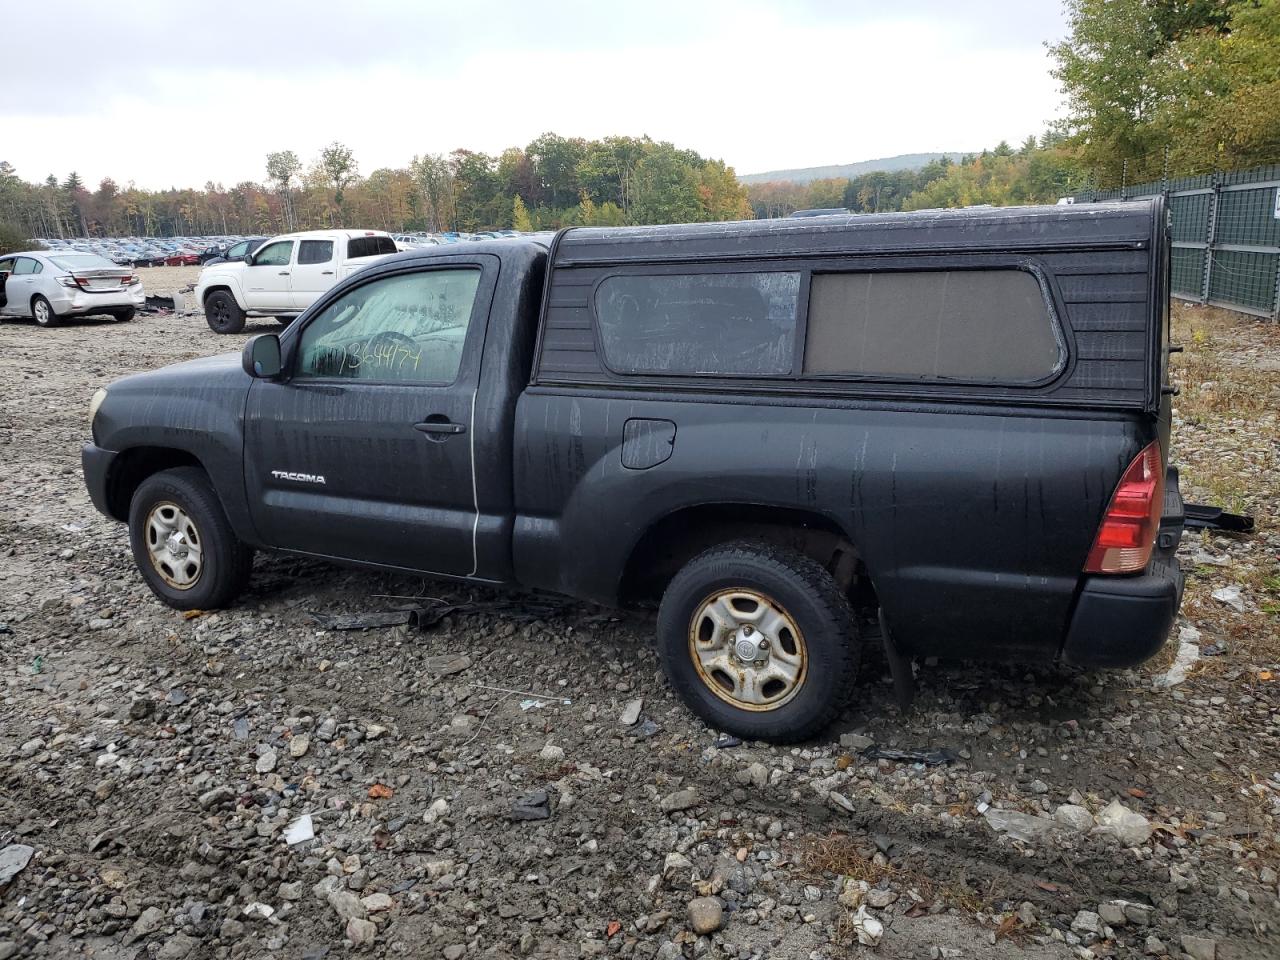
747,649
174,545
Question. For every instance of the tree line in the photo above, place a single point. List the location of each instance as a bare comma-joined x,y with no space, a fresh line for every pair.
552,182
1039,171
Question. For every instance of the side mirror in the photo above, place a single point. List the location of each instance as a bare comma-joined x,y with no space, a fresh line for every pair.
261,356
248,258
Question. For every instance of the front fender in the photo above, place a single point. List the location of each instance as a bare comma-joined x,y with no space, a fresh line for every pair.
221,280
196,408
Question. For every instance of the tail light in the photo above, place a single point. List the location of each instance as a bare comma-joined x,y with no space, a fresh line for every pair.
128,281
1129,527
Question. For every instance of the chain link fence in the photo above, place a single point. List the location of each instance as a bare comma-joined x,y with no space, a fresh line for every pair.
1226,236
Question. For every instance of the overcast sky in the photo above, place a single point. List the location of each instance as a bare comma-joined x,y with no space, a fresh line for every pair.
176,93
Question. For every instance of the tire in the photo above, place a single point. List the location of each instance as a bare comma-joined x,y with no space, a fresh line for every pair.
42,311
827,648
222,312
125,315
285,321
222,568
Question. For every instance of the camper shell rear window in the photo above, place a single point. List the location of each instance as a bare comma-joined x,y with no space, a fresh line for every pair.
991,326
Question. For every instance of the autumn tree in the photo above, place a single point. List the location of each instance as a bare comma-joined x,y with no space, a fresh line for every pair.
1114,71
666,188
520,216
1221,92
338,163
282,167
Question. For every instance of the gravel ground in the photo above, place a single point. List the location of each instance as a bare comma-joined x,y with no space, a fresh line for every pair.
472,789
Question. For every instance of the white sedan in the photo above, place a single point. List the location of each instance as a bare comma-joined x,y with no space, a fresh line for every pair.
50,285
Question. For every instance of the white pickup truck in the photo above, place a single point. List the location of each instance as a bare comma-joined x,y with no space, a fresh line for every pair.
285,275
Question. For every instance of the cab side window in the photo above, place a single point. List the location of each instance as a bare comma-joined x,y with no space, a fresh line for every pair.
315,251
406,328
26,265
276,254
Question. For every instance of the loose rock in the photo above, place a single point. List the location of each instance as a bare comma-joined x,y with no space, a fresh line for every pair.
631,712
535,805
680,800
706,914
13,860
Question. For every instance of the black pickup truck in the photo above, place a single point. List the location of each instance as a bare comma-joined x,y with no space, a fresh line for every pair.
955,423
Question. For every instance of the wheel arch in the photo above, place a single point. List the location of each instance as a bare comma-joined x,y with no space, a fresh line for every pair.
134,465
670,542
219,288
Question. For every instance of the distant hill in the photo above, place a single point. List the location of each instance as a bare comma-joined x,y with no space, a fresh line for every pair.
906,161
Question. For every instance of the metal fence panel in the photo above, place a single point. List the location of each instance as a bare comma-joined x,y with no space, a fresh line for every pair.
1242,280
1226,236
1190,216
1186,269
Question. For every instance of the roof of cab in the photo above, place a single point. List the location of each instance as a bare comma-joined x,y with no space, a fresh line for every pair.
1127,224
470,248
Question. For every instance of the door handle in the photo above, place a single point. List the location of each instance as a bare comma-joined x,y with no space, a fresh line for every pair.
439,424
326,273
284,273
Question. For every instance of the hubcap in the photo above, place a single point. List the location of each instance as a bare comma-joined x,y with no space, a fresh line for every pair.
747,649
174,545
42,312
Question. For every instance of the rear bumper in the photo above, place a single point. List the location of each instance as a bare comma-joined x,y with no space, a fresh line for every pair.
1122,621
96,464
70,302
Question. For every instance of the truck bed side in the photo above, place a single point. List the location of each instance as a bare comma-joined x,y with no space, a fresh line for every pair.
970,510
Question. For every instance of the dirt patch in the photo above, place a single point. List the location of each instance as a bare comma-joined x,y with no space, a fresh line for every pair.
156,763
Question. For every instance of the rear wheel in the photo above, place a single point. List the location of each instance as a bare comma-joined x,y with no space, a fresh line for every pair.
759,641
125,315
222,312
42,310
183,544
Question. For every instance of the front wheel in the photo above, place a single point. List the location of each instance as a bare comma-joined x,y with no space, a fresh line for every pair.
222,312
42,310
759,641
182,542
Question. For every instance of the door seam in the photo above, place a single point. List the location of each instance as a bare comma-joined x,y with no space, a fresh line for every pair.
475,489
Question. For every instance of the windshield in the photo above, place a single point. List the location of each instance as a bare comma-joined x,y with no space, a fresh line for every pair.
81,261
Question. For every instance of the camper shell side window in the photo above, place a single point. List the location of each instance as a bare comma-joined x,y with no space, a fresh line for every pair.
972,323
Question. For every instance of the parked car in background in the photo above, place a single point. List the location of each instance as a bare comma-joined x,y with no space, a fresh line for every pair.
51,285
285,275
955,425
183,258
234,251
